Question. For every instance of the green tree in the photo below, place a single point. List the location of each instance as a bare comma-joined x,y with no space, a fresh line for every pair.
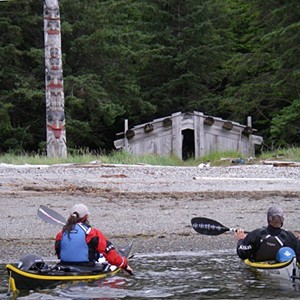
21,75
181,63
263,70
140,59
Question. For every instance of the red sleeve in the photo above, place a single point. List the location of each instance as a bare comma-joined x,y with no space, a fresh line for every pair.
57,244
58,236
106,248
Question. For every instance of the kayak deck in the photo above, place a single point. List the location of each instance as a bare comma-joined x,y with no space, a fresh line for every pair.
23,280
51,276
288,270
267,264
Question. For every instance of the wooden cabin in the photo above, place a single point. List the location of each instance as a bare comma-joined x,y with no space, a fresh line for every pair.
188,135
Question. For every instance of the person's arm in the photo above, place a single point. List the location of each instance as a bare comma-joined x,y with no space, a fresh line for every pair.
247,244
295,244
104,246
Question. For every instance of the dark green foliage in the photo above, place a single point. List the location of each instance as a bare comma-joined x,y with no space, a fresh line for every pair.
140,59
286,125
264,67
21,76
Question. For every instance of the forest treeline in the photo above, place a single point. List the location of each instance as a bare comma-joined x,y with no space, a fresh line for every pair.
145,59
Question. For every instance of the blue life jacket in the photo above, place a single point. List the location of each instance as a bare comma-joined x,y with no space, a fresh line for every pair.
73,244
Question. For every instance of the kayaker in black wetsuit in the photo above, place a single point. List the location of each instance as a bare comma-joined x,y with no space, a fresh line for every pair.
263,243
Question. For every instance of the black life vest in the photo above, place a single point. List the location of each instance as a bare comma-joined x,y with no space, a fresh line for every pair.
269,246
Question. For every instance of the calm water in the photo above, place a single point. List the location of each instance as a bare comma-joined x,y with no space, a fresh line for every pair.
184,275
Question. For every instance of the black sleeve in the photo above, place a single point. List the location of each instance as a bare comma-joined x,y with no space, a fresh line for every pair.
57,249
294,243
249,245
93,253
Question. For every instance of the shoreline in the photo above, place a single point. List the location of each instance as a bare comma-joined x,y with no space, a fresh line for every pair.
151,206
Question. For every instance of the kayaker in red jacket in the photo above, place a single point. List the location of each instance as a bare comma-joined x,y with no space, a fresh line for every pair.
79,243
263,244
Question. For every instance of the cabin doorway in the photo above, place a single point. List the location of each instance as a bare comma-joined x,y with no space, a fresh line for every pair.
188,144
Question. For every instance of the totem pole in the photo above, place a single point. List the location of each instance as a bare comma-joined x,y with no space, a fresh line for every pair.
55,115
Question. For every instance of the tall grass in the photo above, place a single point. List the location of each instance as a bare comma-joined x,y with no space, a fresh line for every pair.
292,153
122,157
114,158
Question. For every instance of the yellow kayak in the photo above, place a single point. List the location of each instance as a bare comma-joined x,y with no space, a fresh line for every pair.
288,270
49,276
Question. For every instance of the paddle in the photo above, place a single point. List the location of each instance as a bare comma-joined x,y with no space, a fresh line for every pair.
50,216
210,227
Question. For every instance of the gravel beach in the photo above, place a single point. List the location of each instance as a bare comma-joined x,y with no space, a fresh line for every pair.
149,205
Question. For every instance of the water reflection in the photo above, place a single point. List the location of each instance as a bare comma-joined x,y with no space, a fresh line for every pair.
185,275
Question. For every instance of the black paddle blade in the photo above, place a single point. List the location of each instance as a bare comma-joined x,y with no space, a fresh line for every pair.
208,227
50,216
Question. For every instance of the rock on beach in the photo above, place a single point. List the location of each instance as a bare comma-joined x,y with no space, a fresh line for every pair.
149,205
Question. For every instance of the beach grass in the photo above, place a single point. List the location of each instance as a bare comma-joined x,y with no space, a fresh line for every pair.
122,157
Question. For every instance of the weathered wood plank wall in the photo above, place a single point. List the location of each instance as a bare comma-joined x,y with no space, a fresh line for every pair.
164,136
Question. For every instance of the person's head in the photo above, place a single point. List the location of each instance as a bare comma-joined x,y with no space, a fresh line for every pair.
275,216
80,211
78,214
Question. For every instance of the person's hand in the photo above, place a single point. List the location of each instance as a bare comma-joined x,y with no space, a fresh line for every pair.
129,270
240,234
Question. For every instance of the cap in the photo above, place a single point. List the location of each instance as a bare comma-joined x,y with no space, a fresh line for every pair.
81,210
275,211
